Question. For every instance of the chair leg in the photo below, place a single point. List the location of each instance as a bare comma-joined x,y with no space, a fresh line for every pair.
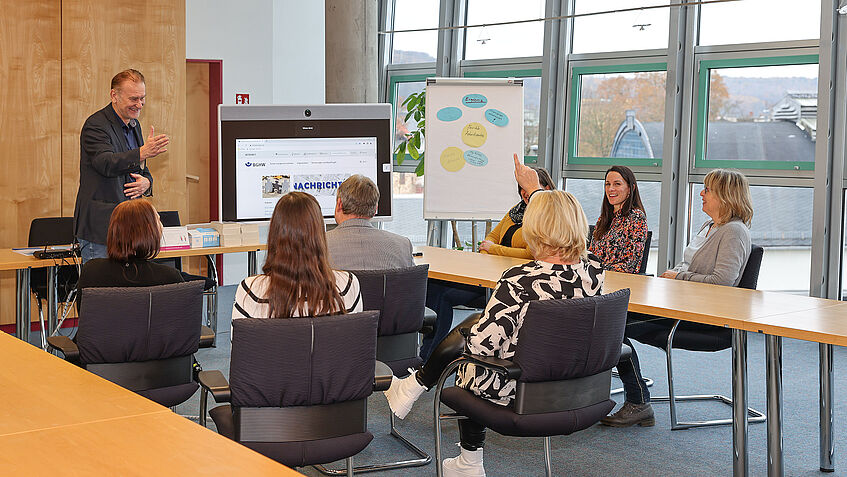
41,323
204,406
671,398
423,457
548,463
350,466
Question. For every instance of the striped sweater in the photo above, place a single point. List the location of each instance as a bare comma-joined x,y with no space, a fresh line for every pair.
250,301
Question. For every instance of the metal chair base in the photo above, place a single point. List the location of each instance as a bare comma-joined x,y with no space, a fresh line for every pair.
423,457
676,425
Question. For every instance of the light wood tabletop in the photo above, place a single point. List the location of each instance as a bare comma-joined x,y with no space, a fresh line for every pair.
11,260
193,252
465,267
161,444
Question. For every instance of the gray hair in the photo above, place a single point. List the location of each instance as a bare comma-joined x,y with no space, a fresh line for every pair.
359,196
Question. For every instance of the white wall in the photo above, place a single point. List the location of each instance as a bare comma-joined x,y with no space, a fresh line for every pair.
271,49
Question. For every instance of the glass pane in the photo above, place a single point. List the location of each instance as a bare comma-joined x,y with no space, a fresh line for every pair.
621,115
401,126
764,113
775,20
625,31
784,232
504,41
531,115
415,47
589,193
408,208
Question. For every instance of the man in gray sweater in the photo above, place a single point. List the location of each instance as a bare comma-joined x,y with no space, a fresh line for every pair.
355,244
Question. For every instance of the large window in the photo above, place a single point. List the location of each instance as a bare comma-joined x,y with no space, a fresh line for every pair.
753,21
531,105
785,232
415,47
617,114
621,31
758,113
408,208
504,41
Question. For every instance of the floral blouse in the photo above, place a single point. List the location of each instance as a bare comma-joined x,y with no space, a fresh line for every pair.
621,248
496,332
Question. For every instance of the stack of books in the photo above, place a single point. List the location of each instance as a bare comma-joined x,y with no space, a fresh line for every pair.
230,233
249,233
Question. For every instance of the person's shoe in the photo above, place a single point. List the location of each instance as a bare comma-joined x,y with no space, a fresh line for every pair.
631,414
467,464
403,393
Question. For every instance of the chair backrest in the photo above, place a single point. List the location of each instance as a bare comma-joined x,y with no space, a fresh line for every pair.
645,254
302,361
750,275
571,338
399,295
51,231
134,324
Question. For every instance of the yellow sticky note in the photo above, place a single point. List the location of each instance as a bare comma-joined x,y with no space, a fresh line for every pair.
452,159
474,134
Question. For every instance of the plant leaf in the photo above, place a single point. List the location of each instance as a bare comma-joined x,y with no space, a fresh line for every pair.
416,139
413,151
419,171
401,152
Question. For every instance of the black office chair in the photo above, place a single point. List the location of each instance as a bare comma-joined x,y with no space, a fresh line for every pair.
170,218
299,386
48,231
399,295
563,364
700,337
141,338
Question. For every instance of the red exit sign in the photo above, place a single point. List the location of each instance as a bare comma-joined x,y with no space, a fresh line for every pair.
242,98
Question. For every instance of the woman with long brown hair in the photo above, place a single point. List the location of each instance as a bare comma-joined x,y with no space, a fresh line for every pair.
620,233
133,239
297,279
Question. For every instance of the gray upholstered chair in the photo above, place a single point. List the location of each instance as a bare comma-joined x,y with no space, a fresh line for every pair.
399,295
563,364
298,387
141,338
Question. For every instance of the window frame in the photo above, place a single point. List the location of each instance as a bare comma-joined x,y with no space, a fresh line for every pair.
577,71
701,115
395,78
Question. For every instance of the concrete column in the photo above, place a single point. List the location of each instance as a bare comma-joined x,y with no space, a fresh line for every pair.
351,51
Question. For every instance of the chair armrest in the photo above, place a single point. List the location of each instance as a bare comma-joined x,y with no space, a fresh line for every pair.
207,337
65,345
429,320
382,376
507,368
215,383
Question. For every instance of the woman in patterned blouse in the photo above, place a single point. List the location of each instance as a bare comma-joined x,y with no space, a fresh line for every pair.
555,228
621,230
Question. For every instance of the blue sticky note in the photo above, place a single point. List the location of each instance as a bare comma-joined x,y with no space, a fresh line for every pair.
496,117
476,158
449,114
474,100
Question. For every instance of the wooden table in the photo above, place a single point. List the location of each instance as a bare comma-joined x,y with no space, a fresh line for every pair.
776,315
89,426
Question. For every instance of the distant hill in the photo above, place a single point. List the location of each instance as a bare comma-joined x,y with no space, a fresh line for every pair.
753,95
402,56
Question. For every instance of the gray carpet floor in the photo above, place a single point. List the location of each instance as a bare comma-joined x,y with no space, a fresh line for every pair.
638,451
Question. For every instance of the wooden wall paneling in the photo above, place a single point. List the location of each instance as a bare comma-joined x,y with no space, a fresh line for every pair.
30,88
101,38
197,150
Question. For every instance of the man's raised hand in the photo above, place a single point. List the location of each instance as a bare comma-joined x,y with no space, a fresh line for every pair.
154,146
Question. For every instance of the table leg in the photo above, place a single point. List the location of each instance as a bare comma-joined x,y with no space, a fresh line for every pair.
773,351
827,449
740,466
252,263
22,304
52,301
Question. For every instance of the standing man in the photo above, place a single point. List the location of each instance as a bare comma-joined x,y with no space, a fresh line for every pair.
355,244
112,161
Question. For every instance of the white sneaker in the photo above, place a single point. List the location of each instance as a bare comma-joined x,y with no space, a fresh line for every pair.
403,393
467,464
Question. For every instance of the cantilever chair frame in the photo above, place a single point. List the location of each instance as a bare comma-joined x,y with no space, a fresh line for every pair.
753,415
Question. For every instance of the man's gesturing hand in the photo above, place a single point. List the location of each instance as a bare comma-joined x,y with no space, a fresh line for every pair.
134,190
154,146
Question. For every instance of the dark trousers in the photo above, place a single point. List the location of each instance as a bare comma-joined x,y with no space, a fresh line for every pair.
441,297
639,327
471,433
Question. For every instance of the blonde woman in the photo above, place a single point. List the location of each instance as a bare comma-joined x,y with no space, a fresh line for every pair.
716,255
555,228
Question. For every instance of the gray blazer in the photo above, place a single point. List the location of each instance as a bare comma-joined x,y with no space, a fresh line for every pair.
355,244
722,258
